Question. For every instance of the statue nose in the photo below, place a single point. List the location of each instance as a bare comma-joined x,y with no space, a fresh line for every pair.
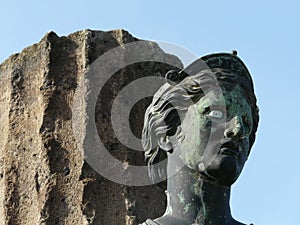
234,128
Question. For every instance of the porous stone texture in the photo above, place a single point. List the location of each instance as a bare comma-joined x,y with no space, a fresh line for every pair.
44,178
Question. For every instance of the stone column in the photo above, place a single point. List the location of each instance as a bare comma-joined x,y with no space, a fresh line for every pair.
44,178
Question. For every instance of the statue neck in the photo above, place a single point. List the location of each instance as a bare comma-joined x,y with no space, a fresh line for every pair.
197,201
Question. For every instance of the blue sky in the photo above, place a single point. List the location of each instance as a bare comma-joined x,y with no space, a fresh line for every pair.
266,35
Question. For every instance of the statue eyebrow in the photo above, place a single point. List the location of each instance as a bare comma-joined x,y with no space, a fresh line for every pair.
206,110
212,107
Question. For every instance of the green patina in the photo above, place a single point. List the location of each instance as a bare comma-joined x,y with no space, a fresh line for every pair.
188,208
235,108
181,197
238,106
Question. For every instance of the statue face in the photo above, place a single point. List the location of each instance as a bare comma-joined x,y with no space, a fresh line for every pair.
214,136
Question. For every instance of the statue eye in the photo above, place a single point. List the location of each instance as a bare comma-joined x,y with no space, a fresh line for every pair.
216,114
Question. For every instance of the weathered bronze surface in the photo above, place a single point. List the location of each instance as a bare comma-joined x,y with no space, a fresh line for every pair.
207,117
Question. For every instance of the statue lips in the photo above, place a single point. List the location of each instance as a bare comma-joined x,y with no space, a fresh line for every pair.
230,148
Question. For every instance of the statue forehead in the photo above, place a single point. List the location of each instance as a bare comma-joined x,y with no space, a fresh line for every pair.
228,96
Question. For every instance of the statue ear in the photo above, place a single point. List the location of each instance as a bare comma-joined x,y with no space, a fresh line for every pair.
165,143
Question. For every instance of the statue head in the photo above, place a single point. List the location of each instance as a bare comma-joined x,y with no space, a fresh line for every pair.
208,112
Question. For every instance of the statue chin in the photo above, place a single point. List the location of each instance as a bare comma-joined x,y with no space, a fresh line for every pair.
223,170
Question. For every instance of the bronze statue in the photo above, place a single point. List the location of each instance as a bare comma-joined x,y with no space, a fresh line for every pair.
208,117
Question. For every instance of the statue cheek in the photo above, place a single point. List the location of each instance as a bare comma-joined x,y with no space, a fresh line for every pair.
246,146
243,155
